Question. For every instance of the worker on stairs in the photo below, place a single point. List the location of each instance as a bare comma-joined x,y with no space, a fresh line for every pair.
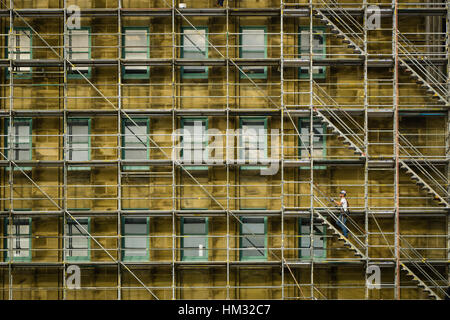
343,204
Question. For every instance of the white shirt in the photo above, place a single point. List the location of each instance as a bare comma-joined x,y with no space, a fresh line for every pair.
344,204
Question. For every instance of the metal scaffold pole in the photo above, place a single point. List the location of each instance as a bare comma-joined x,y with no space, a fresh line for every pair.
119,152
173,168
311,143
396,151
366,150
10,166
228,207
447,52
64,152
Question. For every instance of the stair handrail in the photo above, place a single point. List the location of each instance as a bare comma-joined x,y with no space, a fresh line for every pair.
418,65
425,60
419,154
402,238
338,119
425,274
336,219
348,29
419,280
359,142
346,114
350,219
351,133
426,173
422,258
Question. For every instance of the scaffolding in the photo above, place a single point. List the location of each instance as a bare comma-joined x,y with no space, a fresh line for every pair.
383,106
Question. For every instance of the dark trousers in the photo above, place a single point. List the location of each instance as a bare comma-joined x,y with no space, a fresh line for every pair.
341,223
220,2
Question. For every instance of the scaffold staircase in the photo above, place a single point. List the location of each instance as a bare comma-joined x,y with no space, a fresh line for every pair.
350,137
433,276
411,64
421,183
346,242
329,225
437,190
340,34
349,143
420,283
349,30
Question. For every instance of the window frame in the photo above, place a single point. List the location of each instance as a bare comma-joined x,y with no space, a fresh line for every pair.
324,150
79,258
6,256
206,143
324,248
241,45
206,234
123,237
74,168
6,140
73,74
20,74
324,52
127,74
241,149
122,151
241,237
188,75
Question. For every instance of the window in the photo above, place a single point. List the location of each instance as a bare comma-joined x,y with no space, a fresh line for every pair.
319,139
135,141
253,46
77,240
79,141
79,49
319,51
18,239
20,139
135,245
194,45
319,237
194,141
136,46
195,238
20,48
253,241
253,141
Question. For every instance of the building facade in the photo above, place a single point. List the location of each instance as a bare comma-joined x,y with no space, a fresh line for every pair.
169,151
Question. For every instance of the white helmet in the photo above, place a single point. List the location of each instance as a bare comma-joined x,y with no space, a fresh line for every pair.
344,192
